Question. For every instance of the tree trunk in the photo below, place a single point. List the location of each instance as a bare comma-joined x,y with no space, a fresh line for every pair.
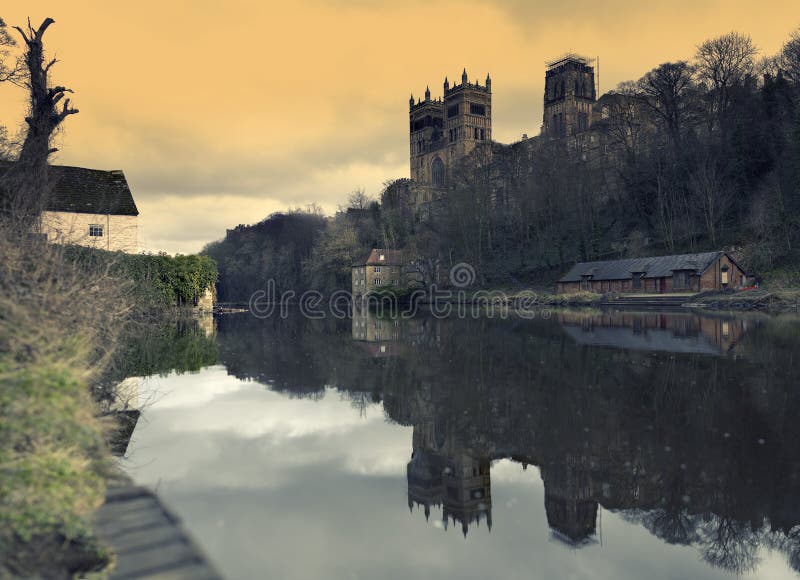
25,187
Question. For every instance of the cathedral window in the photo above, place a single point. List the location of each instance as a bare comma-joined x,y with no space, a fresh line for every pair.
452,111
476,134
437,172
476,109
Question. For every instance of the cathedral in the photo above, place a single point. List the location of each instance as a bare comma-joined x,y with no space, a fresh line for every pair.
447,129
444,130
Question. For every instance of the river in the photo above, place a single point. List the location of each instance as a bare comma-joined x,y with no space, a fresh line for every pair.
574,444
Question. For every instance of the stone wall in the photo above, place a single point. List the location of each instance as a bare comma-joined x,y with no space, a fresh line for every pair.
365,279
119,231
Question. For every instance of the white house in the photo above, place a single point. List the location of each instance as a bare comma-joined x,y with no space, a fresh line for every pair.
91,208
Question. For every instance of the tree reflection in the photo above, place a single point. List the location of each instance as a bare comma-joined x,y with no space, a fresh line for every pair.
682,423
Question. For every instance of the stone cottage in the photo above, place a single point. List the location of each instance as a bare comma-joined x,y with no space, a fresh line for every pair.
381,268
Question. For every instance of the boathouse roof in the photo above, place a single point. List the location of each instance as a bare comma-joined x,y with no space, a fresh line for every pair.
652,267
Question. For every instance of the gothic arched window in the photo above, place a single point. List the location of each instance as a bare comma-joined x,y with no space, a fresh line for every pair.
437,172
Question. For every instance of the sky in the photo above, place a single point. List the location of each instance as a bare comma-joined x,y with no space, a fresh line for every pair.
221,113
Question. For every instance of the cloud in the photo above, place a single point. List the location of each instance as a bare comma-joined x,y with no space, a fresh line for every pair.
246,108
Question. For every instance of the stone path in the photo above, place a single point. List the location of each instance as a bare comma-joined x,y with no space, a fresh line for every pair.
148,540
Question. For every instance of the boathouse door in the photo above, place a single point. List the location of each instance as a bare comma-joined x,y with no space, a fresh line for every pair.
662,285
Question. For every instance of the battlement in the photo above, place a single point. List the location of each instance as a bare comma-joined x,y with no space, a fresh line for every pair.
436,103
476,86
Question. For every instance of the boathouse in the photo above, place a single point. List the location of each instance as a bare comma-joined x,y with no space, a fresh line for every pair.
656,275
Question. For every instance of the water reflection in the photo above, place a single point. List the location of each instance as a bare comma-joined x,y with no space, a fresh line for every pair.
672,332
683,424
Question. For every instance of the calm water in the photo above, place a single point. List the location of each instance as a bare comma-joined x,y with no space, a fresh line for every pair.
587,445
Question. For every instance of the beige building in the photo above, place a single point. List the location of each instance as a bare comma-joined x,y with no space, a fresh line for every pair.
91,208
382,268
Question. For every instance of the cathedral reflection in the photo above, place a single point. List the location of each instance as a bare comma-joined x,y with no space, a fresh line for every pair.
683,423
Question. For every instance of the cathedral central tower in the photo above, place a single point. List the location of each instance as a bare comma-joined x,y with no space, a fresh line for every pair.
569,96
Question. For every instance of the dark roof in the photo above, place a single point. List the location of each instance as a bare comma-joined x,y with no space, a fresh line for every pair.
654,267
390,258
81,190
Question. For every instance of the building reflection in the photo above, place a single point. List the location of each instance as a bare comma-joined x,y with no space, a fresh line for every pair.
451,479
679,422
673,332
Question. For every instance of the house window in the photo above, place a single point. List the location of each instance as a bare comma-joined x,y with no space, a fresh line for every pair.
681,280
377,281
96,231
376,269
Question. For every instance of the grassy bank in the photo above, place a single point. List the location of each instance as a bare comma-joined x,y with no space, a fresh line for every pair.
58,323
778,300
62,311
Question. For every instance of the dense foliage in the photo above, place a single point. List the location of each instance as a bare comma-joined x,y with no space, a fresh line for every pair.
273,249
157,280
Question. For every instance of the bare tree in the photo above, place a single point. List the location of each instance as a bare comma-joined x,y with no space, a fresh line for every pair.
7,71
625,120
724,63
24,187
666,88
707,184
789,58
359,200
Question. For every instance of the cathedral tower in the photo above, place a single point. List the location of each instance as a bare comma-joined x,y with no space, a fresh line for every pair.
569,96
443,131
468,118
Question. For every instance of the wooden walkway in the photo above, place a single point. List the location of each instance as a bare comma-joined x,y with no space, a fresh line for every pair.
148,540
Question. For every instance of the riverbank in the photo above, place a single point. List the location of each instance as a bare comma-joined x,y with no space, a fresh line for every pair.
62,313
763,300
55,329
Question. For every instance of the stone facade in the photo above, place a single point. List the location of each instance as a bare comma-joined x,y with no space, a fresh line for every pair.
445,130
569,96
106,232
380,269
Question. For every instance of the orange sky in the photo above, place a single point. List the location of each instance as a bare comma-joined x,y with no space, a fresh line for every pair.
223,112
